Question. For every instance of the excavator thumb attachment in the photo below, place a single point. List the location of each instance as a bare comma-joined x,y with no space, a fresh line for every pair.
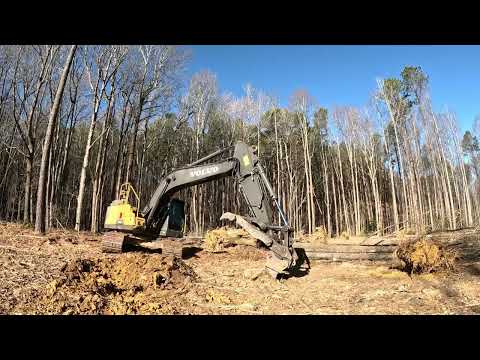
251,229
282,257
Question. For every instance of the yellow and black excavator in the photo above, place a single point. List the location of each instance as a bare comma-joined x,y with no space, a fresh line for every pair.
163,218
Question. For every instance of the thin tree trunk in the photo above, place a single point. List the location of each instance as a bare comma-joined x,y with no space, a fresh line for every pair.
28,186
40,211
83,173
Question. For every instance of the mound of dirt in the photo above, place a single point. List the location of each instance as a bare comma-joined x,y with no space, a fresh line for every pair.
126,284
425,256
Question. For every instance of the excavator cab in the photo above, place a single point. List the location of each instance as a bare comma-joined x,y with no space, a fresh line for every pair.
174,223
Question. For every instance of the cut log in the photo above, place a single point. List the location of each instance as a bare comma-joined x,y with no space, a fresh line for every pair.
467,244
379,241
33,236
349,256
361,241
452,237
345,248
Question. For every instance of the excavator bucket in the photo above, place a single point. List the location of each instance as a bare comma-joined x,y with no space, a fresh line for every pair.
276,266
281,259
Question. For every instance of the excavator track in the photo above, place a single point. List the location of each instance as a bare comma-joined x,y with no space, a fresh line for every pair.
114,242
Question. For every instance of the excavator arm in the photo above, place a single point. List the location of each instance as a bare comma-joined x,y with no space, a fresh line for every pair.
180,179
243,165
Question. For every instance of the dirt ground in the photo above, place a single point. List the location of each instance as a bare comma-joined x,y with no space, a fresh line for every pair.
66,273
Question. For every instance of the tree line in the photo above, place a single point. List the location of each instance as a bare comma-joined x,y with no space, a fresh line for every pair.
78,121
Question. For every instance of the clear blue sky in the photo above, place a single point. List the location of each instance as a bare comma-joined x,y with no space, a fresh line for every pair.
345,75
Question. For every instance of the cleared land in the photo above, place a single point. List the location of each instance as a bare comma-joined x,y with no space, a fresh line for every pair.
66,273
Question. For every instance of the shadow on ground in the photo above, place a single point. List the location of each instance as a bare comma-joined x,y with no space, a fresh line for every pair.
302,267
189,252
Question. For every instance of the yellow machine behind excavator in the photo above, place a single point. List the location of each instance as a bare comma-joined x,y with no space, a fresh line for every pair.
121,215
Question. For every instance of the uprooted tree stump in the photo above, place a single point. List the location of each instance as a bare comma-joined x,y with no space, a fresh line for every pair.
425,256
215,240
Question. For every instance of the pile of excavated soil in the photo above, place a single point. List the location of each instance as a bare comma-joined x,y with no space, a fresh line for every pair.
425,256
128,284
